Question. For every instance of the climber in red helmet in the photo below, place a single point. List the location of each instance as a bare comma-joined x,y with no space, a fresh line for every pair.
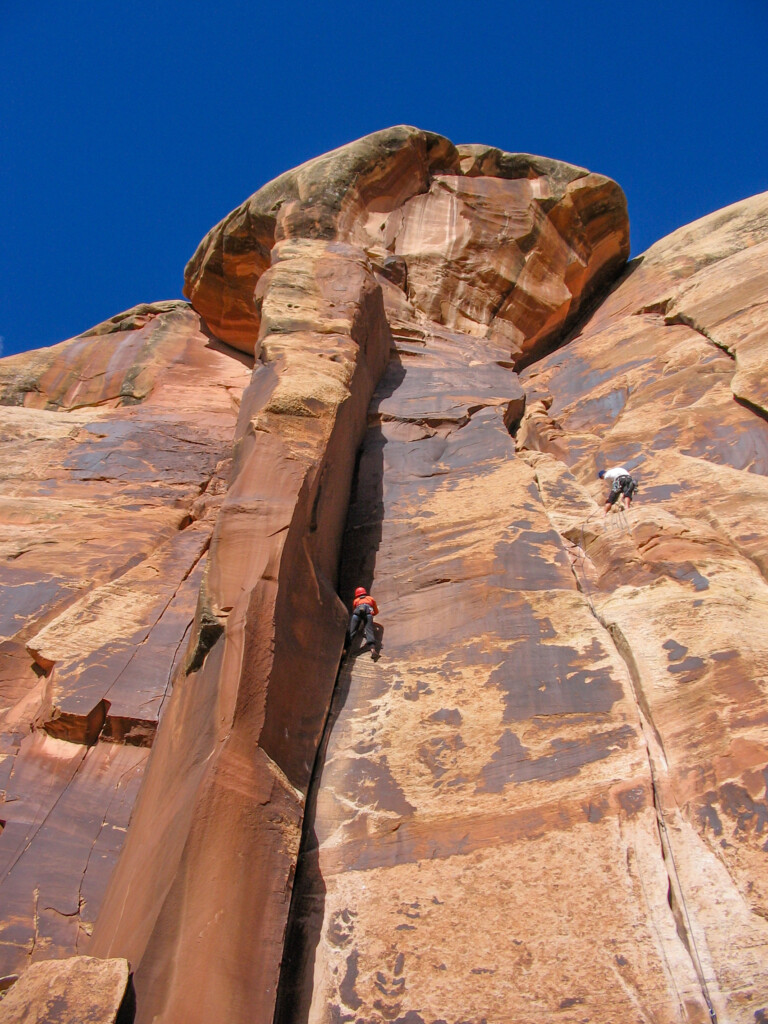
363,609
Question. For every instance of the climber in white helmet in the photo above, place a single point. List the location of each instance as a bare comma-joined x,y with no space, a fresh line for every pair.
623,486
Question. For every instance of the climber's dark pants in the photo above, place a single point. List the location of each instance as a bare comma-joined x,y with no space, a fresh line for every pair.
362,613
621,485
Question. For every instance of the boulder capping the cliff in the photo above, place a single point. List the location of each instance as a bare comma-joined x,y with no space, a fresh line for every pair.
565,706
501,245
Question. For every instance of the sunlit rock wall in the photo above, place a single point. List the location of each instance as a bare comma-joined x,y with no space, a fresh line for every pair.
667,378
547,795
269,627
116,448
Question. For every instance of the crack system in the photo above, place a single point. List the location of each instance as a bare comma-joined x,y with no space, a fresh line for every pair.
651,739
676,896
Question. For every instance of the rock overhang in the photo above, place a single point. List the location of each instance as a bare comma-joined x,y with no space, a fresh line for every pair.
553,690
568,238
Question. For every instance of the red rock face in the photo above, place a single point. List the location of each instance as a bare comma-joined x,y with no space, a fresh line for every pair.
116,447
546,797
498,245
223,803
269,624
79,988
665,378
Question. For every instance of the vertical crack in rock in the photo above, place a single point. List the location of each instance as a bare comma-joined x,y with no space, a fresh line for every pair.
673,590
184,641
35,921
432,475
677,901
654,749
252,708
81,902
302,923
37,826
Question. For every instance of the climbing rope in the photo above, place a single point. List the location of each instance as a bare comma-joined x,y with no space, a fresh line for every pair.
695,956
582,559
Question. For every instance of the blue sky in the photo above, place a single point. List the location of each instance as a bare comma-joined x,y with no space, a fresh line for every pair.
131,128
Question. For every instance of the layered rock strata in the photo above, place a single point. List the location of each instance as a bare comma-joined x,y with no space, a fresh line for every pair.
115,452
269,625
547,796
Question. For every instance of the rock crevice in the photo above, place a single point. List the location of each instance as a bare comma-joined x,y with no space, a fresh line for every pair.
434,346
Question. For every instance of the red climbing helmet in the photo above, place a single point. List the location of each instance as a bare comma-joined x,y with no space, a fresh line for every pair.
360,592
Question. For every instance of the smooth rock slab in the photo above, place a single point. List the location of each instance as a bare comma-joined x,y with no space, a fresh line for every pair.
667,378
115,451
81,990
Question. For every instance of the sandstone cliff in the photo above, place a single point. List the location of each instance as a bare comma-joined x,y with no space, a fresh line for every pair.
547,797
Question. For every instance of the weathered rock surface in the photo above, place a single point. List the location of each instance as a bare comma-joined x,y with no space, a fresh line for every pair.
566,706
499,245
79,990
547,798
213,845
486,781
115,449
666,378
269,623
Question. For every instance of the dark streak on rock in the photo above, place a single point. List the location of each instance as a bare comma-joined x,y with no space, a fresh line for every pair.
372,784
570,681
448,716
749,813
675,651
510,763
632,800
688,669
347,986
708,817
728,655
